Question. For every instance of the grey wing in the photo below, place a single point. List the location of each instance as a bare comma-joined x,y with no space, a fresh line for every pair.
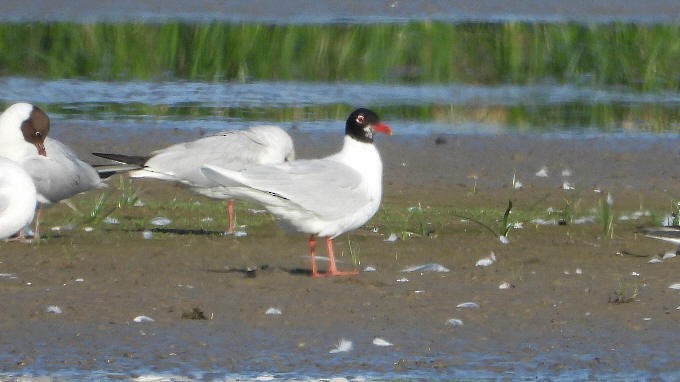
61,174
326,188
233,150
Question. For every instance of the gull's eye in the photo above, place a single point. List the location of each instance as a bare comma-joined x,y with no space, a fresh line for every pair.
361,119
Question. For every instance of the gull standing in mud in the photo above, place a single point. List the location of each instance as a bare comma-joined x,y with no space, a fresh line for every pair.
230,149
17,198
55,169
322,197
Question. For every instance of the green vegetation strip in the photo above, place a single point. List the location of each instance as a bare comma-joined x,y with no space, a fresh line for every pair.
642,57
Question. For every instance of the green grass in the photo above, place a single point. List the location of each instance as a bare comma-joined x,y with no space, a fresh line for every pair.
640,57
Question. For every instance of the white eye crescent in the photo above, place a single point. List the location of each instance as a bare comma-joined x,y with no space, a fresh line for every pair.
361,119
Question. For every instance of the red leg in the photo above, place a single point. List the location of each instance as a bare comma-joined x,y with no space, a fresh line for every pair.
332,269
230,212
312,253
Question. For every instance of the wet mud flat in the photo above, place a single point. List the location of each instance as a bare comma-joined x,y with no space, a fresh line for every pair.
574,304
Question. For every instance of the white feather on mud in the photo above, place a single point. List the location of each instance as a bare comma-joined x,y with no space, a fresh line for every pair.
393,237
377,341
432,267
668,255
342,346
110,220
54,309
160,221
543,172
505,285
486,261
675,286
273,311
140,319
454,322
467,305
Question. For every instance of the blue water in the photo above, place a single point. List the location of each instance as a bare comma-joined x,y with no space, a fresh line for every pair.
194,105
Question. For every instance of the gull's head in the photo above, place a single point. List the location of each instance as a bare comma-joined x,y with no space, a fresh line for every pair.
362,123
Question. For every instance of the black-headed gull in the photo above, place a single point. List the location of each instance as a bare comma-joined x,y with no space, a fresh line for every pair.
55,169
17,198
234,150
322,197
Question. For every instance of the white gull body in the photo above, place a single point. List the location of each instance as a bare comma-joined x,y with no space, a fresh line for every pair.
234,150
58,174
55,169
322,197
325,197
17,198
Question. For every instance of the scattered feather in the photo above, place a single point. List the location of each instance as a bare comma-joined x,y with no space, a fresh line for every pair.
7,276
668,255
486,261
206,219
402,280
256,212
465,305
88,229
393,237
138,203
79,280
539,221
503,239
54,309
655,260
543,172
381,342
579,271
240,233
566,185
635,274
454,322
343,346
110,220
147,235
432,267
675,286
273,311
143,319
517,225
505,285
369,269
160,221
584,220
567,172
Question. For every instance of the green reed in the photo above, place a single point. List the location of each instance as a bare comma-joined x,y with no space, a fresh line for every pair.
637,56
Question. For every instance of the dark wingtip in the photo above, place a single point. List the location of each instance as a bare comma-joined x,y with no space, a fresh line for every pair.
127,159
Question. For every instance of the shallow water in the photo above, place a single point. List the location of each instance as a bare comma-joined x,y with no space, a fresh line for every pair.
415,109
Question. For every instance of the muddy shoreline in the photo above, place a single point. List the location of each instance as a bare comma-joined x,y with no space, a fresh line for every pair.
557,319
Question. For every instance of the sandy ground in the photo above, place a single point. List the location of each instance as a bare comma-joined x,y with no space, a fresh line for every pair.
556,319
